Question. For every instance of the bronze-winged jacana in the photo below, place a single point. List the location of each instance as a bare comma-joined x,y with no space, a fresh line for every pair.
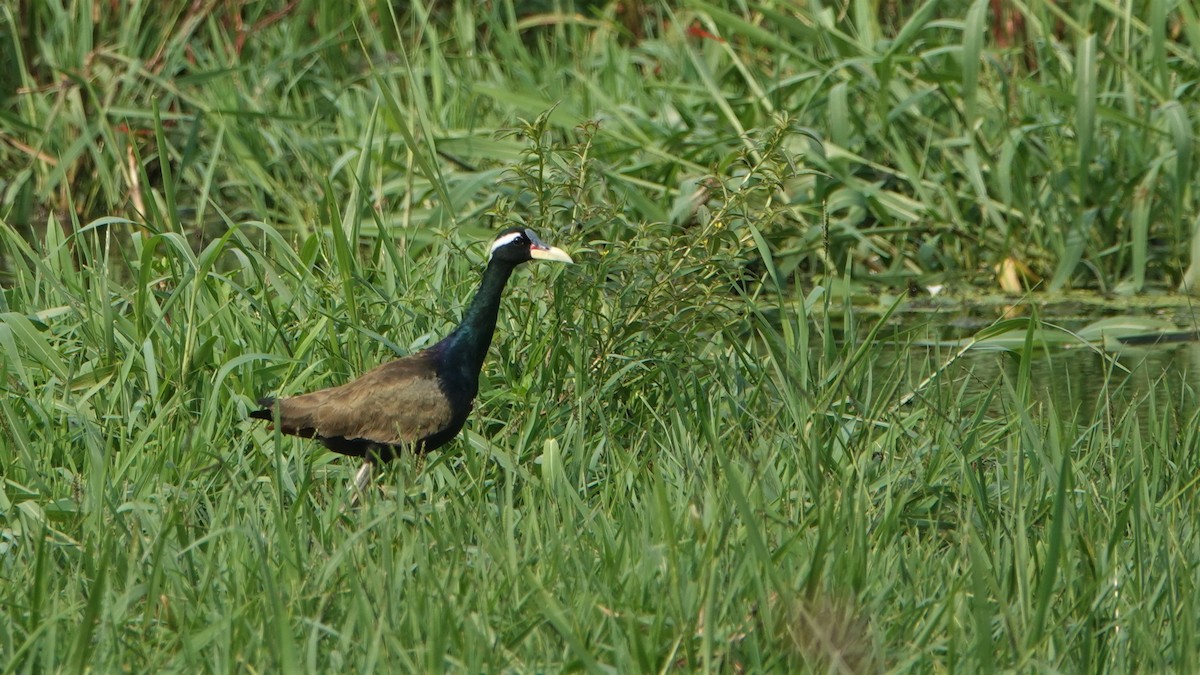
420,401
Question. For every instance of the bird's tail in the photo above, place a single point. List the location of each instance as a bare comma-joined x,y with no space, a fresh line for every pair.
268,409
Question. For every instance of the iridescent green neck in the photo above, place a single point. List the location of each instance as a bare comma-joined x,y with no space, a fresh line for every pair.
465,349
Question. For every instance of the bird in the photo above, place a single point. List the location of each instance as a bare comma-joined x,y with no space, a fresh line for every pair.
418,402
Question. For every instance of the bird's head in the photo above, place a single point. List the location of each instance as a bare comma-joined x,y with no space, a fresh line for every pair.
519,244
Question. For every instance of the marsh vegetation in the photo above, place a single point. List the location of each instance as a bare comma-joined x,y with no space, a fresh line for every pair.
685,453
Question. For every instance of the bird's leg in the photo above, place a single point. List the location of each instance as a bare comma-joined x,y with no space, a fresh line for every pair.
361,480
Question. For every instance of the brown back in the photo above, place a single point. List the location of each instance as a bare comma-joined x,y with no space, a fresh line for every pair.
397,403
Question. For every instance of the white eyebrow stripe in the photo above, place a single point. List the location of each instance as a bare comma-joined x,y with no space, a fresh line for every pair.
506,240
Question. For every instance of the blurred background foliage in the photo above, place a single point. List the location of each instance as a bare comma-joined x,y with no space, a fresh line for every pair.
937,141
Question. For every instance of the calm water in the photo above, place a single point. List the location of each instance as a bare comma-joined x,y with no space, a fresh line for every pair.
1079,381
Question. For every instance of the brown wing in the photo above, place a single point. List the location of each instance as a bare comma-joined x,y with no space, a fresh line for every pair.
398,402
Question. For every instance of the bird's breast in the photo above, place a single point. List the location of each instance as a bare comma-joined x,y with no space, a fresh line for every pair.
460,392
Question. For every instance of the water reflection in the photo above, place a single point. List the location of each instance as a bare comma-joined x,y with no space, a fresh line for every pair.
1080,382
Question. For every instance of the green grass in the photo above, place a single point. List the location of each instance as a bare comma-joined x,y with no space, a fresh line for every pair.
684,454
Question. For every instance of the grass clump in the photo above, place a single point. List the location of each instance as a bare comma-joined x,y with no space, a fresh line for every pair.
686,453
